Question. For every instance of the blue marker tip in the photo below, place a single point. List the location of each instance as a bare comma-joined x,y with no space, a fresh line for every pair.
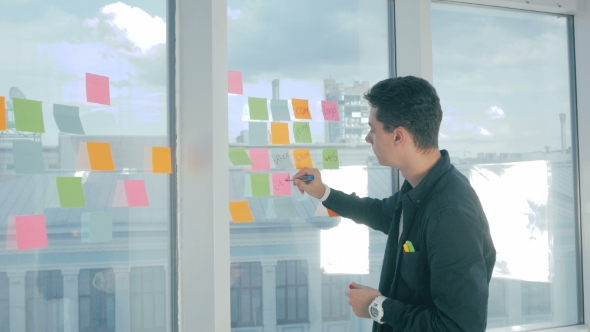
305,178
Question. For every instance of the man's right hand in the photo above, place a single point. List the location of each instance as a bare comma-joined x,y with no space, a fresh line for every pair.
314,188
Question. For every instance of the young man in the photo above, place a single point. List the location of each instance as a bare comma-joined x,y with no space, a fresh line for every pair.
439,282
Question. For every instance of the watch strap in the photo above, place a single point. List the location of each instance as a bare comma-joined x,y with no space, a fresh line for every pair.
376,309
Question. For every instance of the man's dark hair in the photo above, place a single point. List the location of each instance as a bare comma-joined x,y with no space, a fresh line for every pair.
408,102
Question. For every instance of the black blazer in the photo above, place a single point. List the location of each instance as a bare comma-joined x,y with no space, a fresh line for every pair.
443,285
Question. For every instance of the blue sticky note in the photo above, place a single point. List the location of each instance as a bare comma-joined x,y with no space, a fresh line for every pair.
51,194
67,119
280,110
258,132
28,157
284,208
97,227
281,158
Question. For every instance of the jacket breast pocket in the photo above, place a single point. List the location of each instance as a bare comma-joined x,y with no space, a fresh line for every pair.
415,269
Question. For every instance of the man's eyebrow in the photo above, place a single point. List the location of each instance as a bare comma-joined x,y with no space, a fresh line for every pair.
370,125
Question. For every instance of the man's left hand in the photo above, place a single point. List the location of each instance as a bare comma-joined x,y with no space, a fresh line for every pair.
360,297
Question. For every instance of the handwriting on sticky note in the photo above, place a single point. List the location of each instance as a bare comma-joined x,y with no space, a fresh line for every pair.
260,185
280,185
234,82
330,110
28,115
301,109
97,89
161,160
279,133
100,156
136,193
330,159
240,212
260,161
302,132
70,192
3,113
302,158
31,232
281,158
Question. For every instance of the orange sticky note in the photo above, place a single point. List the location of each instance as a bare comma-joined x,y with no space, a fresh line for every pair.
301,109
3,113
279,133
240,212
161,160
332,213
302,158
100,156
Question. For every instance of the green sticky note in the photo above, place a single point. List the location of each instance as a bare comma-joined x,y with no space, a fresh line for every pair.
258,108
70,191
97,227
260,185
330,159
302,132
28,115
238,156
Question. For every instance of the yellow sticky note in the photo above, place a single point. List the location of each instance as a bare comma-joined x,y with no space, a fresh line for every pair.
240,212
161,160
3,113
406,248
302,158
100,156
301,109
279,133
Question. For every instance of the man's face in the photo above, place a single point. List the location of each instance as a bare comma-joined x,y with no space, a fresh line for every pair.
381,140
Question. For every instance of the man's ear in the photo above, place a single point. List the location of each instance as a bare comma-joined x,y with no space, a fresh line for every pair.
398,135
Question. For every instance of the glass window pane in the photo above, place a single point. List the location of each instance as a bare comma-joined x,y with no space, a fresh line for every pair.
281,272
245,282
148,311
257,306
292,303
245,306
281,304
291,273
76,169
302,302
503,78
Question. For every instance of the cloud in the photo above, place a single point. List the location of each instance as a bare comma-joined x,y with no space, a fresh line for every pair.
496,112
233,13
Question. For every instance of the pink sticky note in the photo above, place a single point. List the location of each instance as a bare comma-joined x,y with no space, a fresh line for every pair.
260,161
280,185
330,110
136,193
97,89
31,232
234,82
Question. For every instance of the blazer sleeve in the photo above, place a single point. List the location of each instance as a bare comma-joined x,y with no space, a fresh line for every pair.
375,213
458,279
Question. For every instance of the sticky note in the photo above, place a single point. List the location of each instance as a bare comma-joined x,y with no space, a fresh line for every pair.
330,110
240,212
238,157
280,110
260,161
120,198
260,185
97,89
280,185
330,159
28,157
3,113
97,227
332,213
281,158
70,191
31,232
51,194
161,160
302,132
28,115
302,158
100,156
247,186
279,133
301,109
284,208
258,108
258,132
67,119
234,82
136,193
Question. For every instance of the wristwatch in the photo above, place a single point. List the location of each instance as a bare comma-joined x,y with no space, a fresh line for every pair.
376,309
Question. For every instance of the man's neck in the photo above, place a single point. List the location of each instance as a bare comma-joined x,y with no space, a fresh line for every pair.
419,164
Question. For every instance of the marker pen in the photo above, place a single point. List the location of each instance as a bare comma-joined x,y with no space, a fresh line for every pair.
305,178
351,286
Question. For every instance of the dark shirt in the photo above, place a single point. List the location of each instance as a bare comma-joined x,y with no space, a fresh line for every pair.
443,285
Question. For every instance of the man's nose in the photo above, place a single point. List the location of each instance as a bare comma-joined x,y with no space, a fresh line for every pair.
368,139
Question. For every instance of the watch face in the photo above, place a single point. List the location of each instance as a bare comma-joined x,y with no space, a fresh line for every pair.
374,312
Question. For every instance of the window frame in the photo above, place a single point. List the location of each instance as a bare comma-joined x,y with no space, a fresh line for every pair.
239,286
200,91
